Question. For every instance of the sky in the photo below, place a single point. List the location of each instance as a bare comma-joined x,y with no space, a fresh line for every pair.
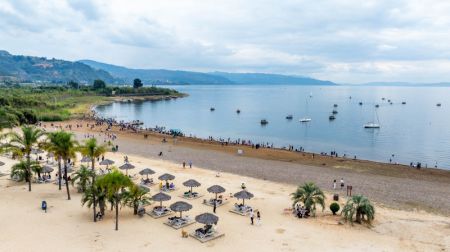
345,41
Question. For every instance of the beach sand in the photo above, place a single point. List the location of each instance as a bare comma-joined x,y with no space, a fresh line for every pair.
68,226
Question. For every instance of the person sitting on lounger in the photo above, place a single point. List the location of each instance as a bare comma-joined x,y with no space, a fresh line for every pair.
171,186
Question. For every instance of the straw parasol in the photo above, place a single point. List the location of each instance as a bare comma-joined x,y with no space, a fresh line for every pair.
180,206
191,183
147,171
166,177
126,167
243,195
86,160
1,163
37,151
107,162
216,189
161,197
146,189
207,219
47,169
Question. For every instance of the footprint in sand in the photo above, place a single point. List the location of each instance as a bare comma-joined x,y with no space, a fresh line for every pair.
280,230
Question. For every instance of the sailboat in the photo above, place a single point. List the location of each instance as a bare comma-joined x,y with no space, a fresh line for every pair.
306,118
373,125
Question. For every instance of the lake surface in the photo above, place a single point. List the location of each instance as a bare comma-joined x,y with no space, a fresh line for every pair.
415,132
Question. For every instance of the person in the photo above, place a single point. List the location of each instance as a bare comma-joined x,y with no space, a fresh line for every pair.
243,186
214,206
190,164
160,153
258,218
44,205
342,183
184,164
252,216
160,185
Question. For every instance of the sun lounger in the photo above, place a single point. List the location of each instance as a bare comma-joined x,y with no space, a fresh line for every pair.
241,209
177,222
204,235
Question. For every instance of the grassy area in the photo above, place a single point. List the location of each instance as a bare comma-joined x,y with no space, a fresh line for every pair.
28,105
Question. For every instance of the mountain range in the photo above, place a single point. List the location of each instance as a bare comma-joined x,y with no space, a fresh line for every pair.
20,68
39,69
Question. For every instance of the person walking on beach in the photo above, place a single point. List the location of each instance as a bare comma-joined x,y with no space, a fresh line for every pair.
252,216
258,218
184,164
334,184
190,164
342,183
214,206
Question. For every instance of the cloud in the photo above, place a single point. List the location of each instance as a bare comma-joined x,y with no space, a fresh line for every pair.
340,40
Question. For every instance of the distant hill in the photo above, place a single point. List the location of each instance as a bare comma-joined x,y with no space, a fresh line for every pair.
38,69
262,78
156,76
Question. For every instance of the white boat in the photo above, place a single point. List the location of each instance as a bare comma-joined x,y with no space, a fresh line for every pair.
306,119
371,125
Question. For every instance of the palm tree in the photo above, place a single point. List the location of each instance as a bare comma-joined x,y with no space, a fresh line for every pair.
114,184
64,147
310,194
53,146
135,196
21,144
361,207
92,150
83,176
88,195
19,170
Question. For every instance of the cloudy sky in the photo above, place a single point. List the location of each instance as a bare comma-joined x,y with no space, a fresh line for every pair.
346,41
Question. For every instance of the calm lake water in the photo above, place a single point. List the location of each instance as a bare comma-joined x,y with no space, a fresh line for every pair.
415,132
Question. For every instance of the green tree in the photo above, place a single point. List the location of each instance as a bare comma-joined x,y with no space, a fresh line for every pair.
92,150
82,178
114,184
310,195
99,84
137,83
100,195
361,208
64,146
54,146
135,196
73,84
19,170
21,144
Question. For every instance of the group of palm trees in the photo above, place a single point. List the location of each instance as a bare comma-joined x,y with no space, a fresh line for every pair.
114,187
357,209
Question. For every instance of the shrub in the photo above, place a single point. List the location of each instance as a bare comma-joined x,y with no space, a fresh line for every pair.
334,207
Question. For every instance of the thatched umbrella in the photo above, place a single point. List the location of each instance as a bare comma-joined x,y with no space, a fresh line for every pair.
191,183
207,219
216,189
86,160
243,195
146,189
47,169
161,197
180,206
126,167
166,177
1,163
37,151
107,162
147,171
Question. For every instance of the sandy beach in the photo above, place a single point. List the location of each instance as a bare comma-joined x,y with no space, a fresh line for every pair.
68,225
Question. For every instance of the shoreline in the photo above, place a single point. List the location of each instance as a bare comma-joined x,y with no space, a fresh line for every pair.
396,186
